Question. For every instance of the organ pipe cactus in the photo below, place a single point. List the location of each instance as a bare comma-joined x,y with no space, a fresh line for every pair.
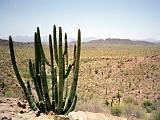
62,100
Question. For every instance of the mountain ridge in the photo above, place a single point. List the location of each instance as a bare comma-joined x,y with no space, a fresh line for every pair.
98,42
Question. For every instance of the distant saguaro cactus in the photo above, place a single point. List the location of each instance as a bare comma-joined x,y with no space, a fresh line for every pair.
60,102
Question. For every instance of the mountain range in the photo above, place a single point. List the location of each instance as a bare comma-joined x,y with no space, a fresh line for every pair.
88,41
119,41
71,39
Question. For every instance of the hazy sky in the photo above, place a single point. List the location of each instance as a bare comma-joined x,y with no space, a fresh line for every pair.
139,19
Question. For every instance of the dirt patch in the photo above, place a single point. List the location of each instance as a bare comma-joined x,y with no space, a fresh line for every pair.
13,109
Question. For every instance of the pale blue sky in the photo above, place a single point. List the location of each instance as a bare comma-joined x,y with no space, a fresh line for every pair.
138,19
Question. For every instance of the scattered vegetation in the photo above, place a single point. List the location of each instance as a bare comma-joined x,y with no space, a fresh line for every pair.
116,110
133,70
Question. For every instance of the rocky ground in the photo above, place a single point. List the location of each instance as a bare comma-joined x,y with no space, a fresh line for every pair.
15,109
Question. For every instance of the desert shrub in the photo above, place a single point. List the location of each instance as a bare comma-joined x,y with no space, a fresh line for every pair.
148,109
107,102
8,94
116,110
128,109
150,106
130,100
156,115
147,103
156,105
133,110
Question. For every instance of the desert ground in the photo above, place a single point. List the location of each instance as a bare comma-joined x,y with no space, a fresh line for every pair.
120,81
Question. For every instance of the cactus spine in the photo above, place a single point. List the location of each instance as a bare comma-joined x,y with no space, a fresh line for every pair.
60,102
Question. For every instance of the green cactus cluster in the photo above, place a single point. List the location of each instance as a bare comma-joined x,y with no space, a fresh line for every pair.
62,100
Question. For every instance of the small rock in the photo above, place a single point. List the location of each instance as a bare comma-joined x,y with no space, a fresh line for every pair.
1,101
38,113
51,113
11,105
12,113
22,111
61,117
22,105
25,101
5,118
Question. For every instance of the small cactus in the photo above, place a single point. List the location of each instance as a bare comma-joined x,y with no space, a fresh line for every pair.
119,96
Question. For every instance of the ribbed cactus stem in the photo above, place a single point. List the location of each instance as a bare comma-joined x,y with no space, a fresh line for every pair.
43,74
66,72
33,76
73,105
52,72
51,52
61,80
45,87
65,46
55,44
66,51
74,55
25,90
75,72
37,62
29,87
40,46
78,50
56,91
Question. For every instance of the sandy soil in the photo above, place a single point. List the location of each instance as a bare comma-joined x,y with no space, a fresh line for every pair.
15,109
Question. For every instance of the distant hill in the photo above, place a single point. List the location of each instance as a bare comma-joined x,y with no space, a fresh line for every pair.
98,42
3,42
152,40
116,41
23,38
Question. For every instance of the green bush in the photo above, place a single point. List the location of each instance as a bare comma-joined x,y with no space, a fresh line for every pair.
148,109
8,94
156,116
156,105
150,106
147,103
116,110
